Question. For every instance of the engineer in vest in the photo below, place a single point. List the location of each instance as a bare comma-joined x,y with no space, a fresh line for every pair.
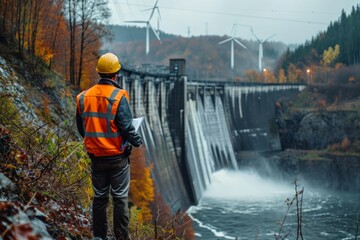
104,120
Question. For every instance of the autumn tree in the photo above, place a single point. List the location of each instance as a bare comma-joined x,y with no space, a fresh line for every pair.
21,16
86,24
71,7
282,76
7,17
292,73
330,55
41,42
27,23
72,44
252,75
57,39
141,185
37,9
268,76
92,15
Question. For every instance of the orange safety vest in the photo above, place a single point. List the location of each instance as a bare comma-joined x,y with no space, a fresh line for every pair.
97,107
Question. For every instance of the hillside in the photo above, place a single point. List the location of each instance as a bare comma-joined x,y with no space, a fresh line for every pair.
327,110
42,98
126,33
37,147
345,32
205,57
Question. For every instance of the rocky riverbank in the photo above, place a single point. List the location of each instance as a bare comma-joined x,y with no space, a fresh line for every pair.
319,131
316,129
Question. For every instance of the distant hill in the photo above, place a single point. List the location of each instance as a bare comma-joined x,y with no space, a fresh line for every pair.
204,56
133,33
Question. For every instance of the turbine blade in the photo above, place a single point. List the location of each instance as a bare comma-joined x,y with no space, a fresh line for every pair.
269,37
153,10
136,21
235,30
238,42
156,34
152,13
148,9
158,12
255,35
227,40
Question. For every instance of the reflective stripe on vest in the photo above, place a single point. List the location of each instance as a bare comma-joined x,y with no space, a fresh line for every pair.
98,108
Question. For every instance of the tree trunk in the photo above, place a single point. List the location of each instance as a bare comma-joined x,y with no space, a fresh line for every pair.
72,24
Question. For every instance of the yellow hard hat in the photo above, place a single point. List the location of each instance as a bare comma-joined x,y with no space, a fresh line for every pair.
108,64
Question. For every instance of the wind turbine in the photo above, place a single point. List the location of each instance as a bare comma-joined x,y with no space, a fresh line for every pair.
233,39
159,15
261,48
148,26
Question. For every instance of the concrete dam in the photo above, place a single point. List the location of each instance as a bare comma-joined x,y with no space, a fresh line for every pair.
193,128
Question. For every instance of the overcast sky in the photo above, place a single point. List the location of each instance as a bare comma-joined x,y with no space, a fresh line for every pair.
293,21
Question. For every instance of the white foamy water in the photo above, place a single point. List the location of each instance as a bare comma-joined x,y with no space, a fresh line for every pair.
244,205
245,185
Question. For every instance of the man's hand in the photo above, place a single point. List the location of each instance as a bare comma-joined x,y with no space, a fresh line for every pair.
127,151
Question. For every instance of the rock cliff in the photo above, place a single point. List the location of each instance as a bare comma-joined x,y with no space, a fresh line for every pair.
317,129
320,142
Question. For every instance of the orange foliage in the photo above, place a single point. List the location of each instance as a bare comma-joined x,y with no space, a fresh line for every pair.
238,78
178,224
46,105
252,76
68,92
189,232
152,205
57,39
334,147
322,104
141,184
351,79
89,75
43,31
345,144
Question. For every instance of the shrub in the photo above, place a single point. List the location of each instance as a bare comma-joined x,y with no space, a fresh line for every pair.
345,144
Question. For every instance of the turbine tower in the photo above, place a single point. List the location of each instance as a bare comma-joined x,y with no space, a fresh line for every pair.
233,39
261,48
148,26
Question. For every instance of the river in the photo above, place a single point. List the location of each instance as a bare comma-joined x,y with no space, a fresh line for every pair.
243,205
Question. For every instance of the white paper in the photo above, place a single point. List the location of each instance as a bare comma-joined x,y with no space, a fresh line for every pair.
137,122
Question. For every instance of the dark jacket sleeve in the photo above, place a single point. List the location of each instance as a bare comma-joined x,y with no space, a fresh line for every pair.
79,124
123,121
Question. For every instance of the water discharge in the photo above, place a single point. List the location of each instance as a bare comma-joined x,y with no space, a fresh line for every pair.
244,205
245,185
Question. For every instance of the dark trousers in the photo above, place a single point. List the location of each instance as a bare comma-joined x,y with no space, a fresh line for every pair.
111,177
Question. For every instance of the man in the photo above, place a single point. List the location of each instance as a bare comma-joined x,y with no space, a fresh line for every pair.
104,120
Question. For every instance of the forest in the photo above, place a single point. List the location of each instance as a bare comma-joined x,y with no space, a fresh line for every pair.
64,34
335,48
344,32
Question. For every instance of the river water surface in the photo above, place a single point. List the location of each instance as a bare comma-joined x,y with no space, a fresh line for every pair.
243,205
